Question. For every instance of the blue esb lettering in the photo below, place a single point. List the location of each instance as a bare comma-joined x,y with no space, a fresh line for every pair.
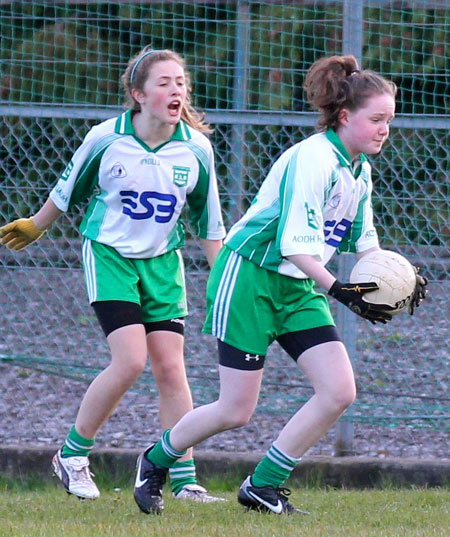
148,203
334,236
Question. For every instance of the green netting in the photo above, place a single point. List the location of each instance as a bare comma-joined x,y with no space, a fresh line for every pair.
74,52
60,65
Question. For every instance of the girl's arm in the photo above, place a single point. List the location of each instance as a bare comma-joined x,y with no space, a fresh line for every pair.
211,249
46,215
313,269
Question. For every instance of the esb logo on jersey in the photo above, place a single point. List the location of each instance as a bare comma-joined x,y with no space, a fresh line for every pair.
144,205
335,232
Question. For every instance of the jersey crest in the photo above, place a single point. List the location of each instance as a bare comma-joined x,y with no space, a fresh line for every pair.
181,175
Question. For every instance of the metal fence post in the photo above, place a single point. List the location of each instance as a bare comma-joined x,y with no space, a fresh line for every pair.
240,88
352,33
346,323
352,28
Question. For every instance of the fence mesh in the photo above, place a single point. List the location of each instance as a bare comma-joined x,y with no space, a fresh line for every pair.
59,70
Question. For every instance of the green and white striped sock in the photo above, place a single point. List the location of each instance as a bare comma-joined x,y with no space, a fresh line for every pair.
163,454
274,468
181,474
77,445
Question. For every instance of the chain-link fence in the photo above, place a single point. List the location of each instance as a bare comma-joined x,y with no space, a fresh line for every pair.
60,67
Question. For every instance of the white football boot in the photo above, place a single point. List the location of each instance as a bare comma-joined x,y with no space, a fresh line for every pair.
197,493
75,476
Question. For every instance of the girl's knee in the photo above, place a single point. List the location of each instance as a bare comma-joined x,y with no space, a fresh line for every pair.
170,377
343,396
132,368
240,420
233,417
348,397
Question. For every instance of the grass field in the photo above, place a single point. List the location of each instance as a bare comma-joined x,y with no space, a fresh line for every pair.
47,511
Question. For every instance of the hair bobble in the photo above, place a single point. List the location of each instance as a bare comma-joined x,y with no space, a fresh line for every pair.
357,71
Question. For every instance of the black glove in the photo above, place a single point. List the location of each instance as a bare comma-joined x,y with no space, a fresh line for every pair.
419,292
351,295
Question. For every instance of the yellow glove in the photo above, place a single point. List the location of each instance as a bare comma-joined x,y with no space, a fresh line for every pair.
20,233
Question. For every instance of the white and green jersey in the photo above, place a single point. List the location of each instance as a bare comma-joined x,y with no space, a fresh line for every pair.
137,193
314,201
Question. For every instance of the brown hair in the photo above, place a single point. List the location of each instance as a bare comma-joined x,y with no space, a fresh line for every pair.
336,82
136,74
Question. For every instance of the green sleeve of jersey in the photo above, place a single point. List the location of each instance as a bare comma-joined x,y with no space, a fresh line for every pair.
87,178
85,184
198,204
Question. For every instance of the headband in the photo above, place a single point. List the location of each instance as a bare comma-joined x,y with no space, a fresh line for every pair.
139,61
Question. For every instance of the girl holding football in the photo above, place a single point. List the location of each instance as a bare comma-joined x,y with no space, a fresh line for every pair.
316,200
138,170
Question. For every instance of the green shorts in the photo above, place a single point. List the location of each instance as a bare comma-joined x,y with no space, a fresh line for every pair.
156,284
250,307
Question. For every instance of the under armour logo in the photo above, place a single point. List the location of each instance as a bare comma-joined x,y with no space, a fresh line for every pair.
249,357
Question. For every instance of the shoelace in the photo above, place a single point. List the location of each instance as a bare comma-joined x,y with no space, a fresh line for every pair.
155,480
84,475
283,492
201,493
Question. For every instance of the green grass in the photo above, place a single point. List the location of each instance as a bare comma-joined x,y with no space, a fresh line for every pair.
49,512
